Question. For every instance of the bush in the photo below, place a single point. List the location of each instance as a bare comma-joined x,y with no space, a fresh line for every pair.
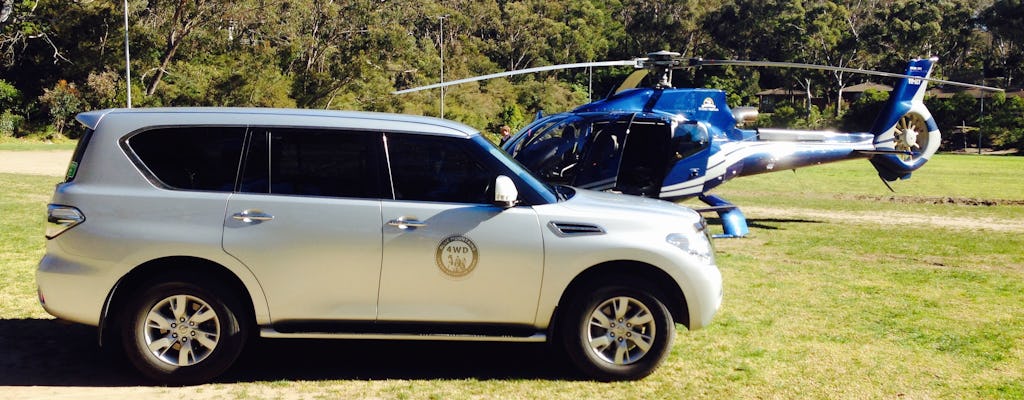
10,124
63,101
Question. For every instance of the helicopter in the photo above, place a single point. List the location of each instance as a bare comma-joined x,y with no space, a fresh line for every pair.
679,143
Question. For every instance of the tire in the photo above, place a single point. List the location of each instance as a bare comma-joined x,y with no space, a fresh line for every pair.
616,330
182,333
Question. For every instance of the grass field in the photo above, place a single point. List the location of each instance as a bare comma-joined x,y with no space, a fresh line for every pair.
21,145
842,290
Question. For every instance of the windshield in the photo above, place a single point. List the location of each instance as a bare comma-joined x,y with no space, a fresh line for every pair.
527,134
554,149
543,189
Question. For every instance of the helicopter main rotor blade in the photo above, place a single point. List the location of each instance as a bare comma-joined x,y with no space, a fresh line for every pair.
632,80
697,62
633,63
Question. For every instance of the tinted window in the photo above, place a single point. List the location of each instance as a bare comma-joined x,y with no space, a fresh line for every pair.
76,158
430,168
192,158
313,163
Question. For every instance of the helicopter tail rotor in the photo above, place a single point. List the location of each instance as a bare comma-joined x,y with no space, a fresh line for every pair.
905,132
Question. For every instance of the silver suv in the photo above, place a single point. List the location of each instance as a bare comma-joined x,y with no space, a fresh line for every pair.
180,233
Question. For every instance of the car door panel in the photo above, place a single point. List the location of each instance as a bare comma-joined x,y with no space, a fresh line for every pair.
465,264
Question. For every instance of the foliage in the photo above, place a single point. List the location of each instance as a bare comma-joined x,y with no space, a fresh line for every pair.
863,110
63,101
353,54
9,123
1005,123
10,96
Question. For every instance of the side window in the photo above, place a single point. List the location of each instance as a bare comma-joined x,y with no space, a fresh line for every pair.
689,138
431,168
191,158
312,162
554,151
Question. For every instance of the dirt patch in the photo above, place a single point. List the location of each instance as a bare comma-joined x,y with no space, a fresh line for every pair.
888,218
960,201
50,163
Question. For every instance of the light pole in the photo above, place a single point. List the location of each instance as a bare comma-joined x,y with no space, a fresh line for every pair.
442,62
127,57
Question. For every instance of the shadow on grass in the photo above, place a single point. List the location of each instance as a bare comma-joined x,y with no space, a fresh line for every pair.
768,224
45,352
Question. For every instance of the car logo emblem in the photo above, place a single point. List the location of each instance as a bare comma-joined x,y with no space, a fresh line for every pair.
456,256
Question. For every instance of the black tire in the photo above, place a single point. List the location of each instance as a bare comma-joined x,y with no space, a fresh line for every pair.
628,347
182,333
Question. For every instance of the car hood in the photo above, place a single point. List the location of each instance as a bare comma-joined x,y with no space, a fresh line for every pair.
593,202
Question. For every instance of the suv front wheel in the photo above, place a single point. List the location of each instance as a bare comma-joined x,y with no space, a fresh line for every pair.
617,330
182,332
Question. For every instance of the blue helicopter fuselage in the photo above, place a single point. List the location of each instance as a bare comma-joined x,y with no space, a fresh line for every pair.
686,140
680,143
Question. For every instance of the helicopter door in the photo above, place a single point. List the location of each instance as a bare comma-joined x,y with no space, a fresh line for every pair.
600,162
645,158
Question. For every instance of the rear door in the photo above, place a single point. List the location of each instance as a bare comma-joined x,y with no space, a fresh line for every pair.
645,157
306,221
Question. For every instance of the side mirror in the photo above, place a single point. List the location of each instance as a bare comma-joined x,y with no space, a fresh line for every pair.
505,193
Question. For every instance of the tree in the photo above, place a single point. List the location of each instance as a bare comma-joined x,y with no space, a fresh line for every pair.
1005,21
177,20
63,102
1003,123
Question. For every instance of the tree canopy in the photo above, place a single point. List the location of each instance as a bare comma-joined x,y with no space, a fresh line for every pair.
58,56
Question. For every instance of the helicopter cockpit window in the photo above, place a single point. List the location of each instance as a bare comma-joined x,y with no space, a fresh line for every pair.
522,139
554,149
689,138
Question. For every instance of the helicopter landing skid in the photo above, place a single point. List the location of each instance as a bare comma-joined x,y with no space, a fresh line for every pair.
734,223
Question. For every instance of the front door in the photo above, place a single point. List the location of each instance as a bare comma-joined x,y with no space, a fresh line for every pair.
449,255
599,165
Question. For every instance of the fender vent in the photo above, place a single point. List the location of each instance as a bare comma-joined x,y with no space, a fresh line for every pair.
565,229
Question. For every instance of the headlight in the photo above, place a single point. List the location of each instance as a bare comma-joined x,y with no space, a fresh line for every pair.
695,242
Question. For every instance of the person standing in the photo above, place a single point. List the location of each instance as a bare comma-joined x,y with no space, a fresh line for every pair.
506,133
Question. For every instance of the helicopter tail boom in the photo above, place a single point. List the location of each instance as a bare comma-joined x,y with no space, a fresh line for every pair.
905,134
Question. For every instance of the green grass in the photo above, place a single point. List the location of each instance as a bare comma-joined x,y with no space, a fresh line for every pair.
26,145
814,308
22,217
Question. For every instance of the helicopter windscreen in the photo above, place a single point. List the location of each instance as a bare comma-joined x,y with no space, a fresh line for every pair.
552,149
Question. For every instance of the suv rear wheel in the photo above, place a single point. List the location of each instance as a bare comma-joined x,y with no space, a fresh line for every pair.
617,330
181,332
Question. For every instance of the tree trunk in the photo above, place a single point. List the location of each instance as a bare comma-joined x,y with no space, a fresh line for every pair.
6,8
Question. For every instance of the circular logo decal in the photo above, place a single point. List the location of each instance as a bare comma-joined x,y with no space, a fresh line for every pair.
456,256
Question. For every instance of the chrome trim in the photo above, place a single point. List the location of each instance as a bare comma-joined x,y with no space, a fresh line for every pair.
567,229
405,223
535,338
252,215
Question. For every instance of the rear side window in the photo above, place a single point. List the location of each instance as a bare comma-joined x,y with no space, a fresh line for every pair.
191,158
76,158
313,162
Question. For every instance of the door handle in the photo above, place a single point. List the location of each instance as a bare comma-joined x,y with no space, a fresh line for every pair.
405,223
252,216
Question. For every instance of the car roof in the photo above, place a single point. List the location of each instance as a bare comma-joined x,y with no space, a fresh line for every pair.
284,117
